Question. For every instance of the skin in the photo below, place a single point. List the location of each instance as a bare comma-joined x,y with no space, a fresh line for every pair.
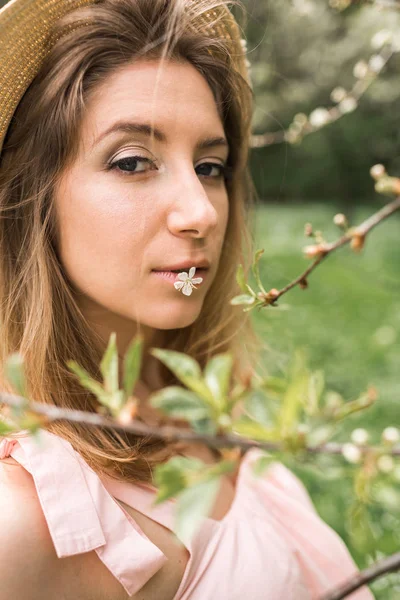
115,226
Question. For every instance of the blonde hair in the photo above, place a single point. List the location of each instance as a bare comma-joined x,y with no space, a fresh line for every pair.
39,316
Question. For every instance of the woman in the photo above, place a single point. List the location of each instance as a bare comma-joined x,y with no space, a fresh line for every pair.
126,159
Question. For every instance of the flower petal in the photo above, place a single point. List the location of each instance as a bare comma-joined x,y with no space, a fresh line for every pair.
178,285
182,276
192,272
197,280
187,288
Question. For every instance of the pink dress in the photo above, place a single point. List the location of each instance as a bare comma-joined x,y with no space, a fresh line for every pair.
271,545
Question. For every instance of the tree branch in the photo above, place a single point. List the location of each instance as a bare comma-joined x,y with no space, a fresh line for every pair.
387,565
331,115
166,432
321,251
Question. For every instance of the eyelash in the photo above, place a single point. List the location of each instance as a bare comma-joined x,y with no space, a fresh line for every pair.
225,170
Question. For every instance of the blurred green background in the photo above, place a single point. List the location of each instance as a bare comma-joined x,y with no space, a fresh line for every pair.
348,323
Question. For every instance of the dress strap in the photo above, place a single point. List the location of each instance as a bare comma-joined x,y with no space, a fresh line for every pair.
80,513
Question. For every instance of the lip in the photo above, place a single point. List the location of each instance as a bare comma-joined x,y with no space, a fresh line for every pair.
172,277
186,265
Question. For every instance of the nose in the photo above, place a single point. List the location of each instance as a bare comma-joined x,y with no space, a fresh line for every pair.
191,212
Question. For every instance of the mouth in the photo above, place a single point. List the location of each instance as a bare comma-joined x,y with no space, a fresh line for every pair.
171,274
176,271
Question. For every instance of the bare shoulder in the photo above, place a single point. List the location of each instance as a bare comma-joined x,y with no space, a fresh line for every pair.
26,550
31,570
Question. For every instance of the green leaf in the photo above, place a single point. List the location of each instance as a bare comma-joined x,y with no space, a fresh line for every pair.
173,476
257,406
242,299
251,291
295,396
170,479
14,372
180,403
88,382
193,505
255,268
207,426
217,375
315,389
116,401
275,386
253,430
109,366
186,369
240,278
132,364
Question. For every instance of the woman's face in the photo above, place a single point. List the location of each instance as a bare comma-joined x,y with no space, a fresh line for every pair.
162,204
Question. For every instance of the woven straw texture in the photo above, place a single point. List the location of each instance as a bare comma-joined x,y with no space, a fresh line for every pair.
26,39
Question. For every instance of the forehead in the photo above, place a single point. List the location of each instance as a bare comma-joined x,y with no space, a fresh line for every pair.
175,95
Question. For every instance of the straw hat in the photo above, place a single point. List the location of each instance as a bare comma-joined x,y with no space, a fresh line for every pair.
26,38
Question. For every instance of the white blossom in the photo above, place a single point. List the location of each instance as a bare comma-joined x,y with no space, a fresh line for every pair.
186,281
347,105
376,63
391,435
377,171
380,38
360,69
360,436
338,94
351,453
340,220
319,117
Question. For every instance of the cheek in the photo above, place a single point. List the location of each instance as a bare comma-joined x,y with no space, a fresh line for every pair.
101,235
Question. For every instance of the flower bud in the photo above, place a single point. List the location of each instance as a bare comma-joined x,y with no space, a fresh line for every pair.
303,284
360,69
380,38
313,251
340,220
300,119
357,242
128,411
360,436
377,171
319,117
338,94
351,453
391,435
376,63
389,186
308,230
347,105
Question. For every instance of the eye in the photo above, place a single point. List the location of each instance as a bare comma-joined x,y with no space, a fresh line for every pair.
128,165
222,170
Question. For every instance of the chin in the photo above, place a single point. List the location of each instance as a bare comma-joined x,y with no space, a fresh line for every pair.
174,317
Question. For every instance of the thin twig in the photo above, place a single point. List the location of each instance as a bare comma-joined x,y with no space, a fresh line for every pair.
387,565
325,249
262,140
166,432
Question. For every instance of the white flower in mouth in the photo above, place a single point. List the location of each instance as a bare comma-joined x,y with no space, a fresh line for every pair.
186,283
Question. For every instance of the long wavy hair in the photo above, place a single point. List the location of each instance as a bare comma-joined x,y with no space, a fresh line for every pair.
39,315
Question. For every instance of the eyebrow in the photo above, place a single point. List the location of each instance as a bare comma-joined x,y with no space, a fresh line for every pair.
148,130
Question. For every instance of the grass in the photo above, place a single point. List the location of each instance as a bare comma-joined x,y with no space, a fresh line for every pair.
348,322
